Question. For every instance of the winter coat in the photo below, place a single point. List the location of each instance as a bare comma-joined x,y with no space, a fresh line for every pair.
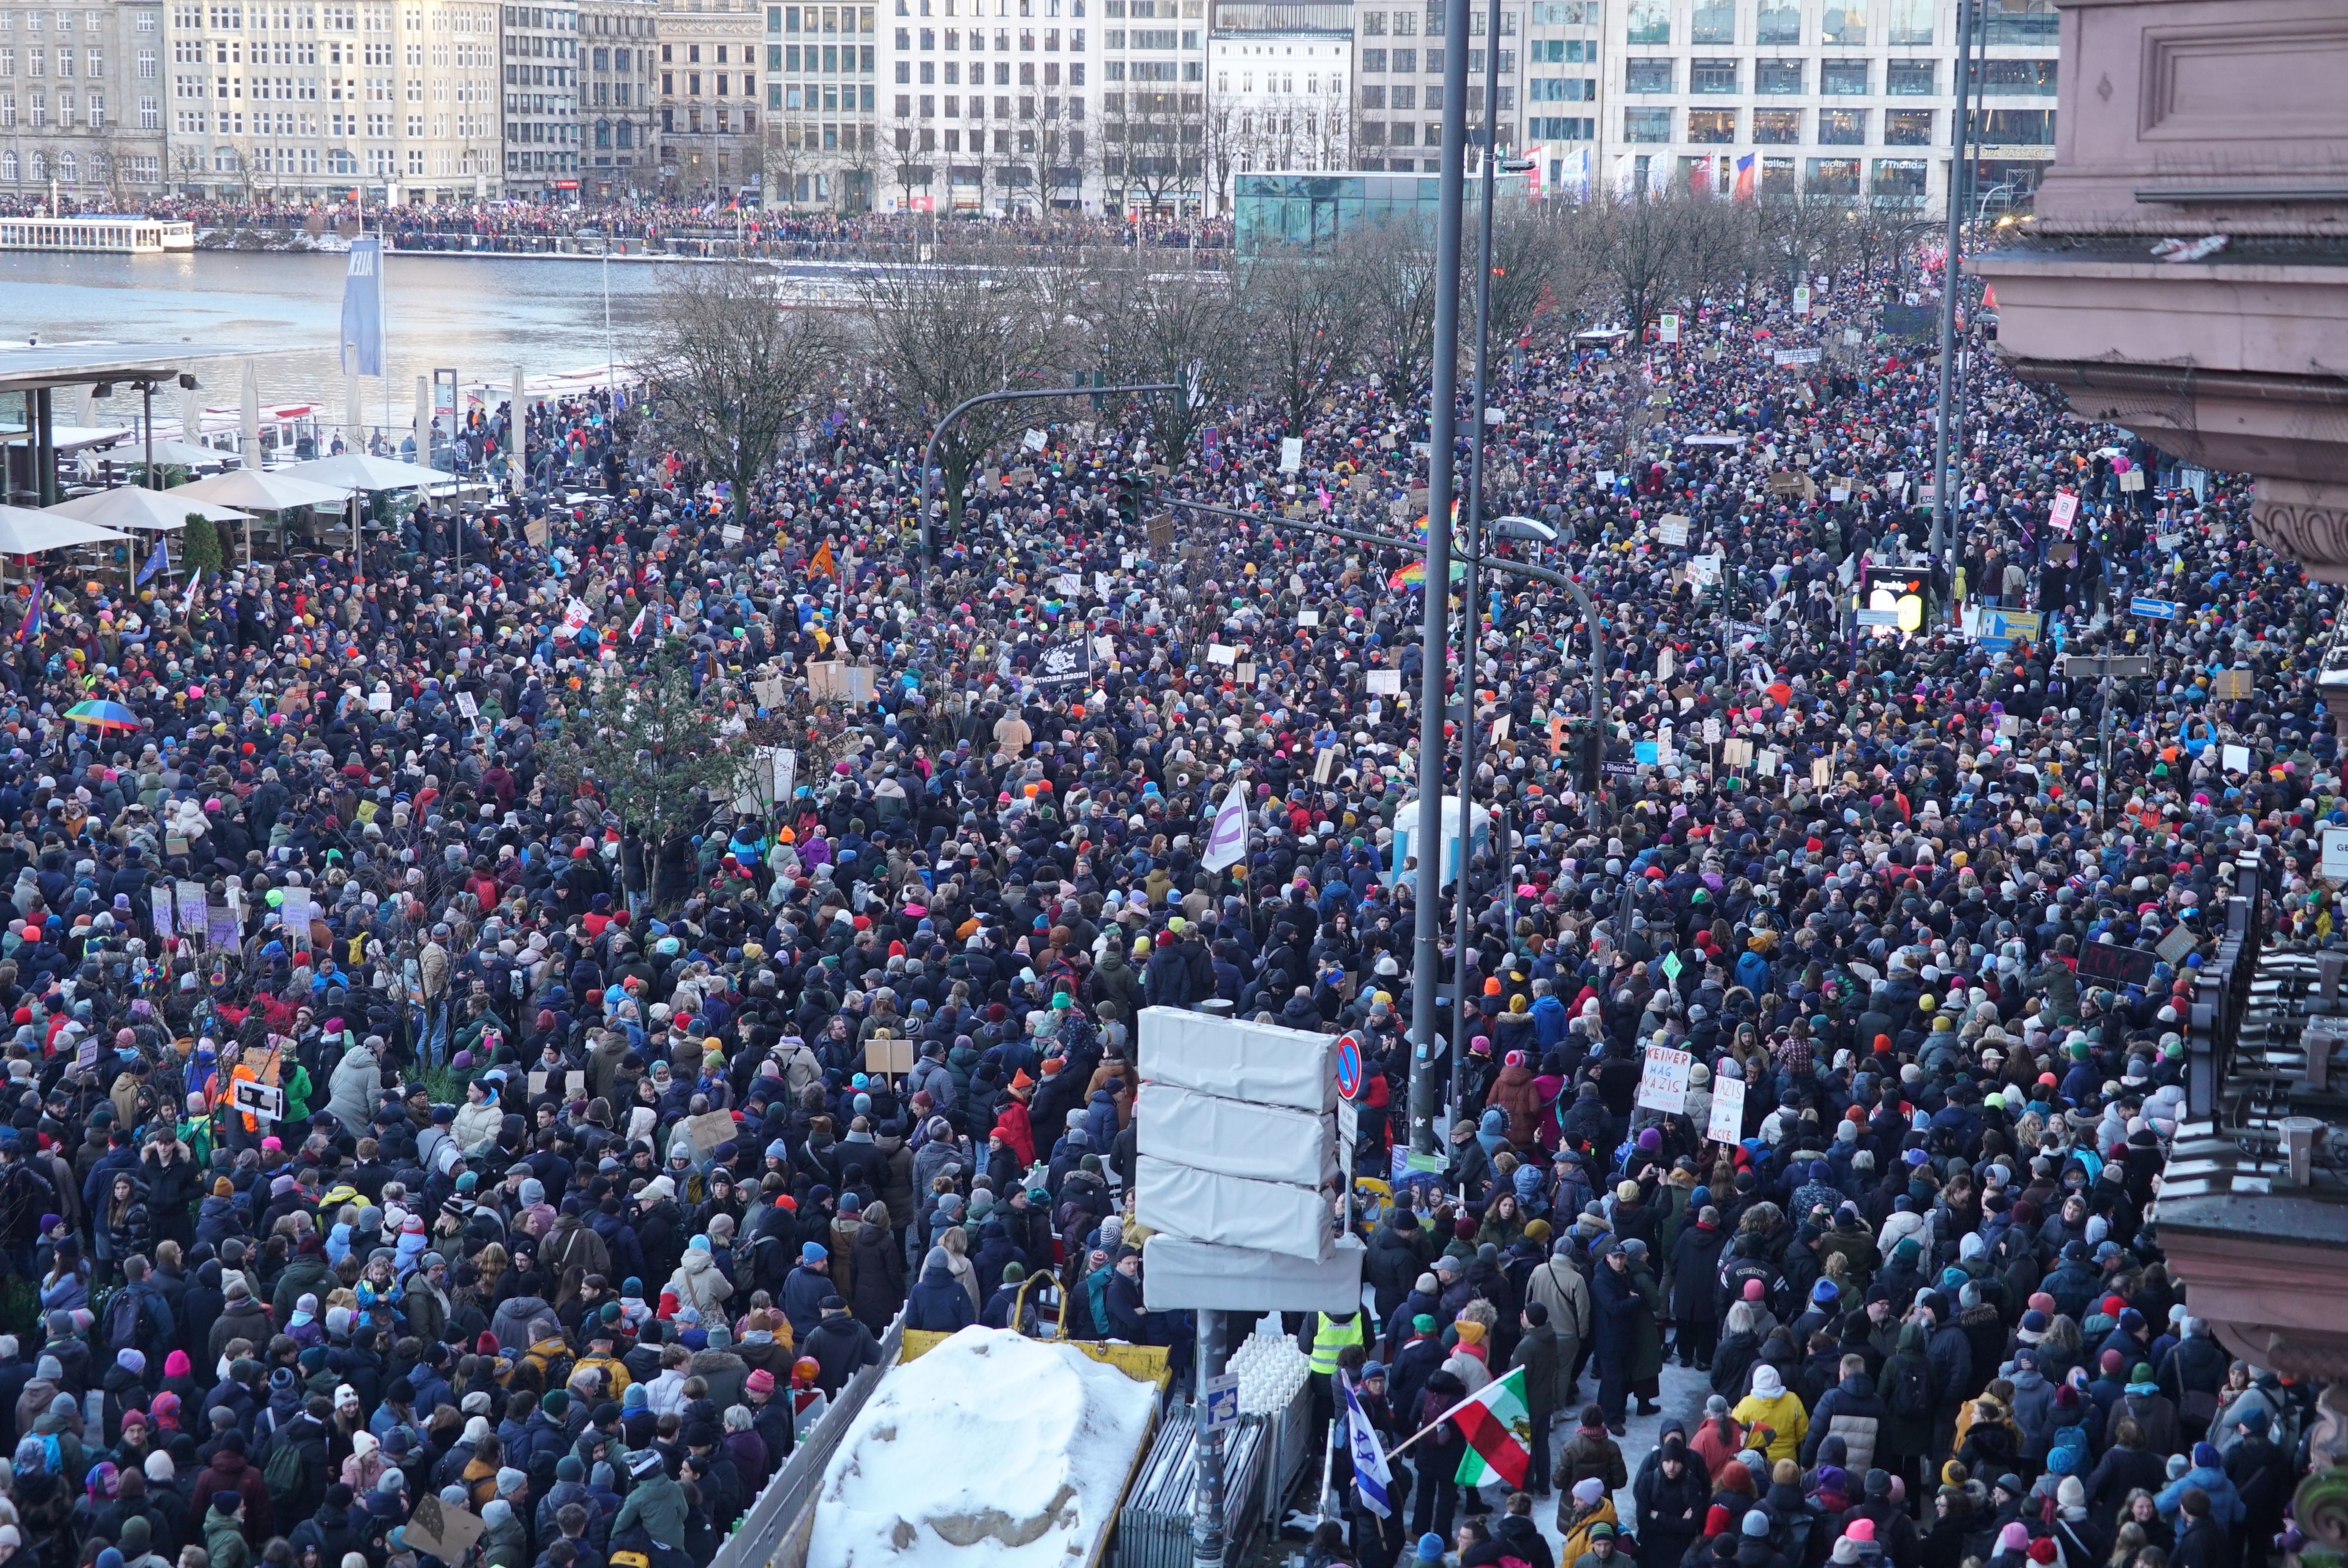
939,1304
1850,1410
1557,1284
880,1278
1547,1374
699,1284
352,1091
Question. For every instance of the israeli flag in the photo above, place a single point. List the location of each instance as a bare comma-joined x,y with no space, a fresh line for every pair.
1372,1477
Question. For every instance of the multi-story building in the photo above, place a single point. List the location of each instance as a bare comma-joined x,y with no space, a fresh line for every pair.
540,51
309,100
1153,106
1558,121
709,97
1398,55
1279,94
824,142
617,145
1838,97
81,93
1030,144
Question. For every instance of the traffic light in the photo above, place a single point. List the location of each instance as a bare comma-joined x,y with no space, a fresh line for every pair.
1130,491
1589,756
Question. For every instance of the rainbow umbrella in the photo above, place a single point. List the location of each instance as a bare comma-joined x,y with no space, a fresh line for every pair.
104,715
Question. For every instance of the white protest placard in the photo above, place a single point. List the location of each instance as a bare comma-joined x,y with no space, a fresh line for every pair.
1034,441
2064,511
1308,618
1386,682
1221,653
1728,1123
1801,299
786,772
1292,454
164,896
467,706
1669,325
731,533
1673,530
1663,1081
2235,759
2335,854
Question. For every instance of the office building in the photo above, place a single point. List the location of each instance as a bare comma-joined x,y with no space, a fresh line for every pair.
617,42
1559,121
1153,106
400,101
1399,54
541,50
82,101
710,99
824,144
1030,144
1280,74
1846,97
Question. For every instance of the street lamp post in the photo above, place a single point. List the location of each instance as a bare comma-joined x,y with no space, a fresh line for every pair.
930,451
1435,625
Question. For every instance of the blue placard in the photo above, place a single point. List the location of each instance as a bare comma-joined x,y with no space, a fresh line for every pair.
2001,628
2154,608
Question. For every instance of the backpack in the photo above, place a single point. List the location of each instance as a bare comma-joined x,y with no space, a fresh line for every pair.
1912,1388
287,1471
125,1319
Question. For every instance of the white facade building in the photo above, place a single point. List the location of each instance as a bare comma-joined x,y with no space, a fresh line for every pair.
82,101
617,42
541,50
1281,89
314,100
994,105
1844,97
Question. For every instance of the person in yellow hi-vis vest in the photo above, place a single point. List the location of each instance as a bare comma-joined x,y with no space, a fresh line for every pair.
1331,1337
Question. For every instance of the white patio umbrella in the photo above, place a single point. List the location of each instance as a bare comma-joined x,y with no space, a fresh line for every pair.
259,490
25,531
365,471
134,506
170,453
362,471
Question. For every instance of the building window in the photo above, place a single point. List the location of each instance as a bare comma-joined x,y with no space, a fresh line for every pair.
1777,128
1783,77
1844,22
1647,76
1712,125
1712,76
1902,177
1910,79
1713,22
1778,24
1646,124
1842,128
2025,22
1833,176
2031,79
2018,127
1908,128
1842,78
1651,22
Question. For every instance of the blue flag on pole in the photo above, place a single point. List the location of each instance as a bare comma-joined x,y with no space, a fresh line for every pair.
160,562
363,309
1372,1477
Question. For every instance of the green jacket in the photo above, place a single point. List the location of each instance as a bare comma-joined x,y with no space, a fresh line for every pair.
224,1542
657,1503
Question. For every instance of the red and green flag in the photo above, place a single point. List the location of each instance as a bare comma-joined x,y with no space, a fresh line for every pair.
1500,1432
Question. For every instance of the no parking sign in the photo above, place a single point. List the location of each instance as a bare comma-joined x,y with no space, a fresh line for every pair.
1349,1065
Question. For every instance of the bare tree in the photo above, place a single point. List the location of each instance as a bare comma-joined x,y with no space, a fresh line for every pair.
732,371
1064,155
944,334
1304,324
1540,279
1148,326
1804,234
910,165
787,158
863,161
1633,238
1222,149
1387,269
1164,144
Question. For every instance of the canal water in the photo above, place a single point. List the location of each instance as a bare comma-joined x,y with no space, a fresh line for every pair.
478,315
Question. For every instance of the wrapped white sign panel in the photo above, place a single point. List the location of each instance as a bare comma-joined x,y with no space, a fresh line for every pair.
1265,1143
1262,1063
1179,1275
1232,1211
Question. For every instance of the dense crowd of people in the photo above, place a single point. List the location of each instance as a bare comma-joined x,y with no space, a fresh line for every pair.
391,1175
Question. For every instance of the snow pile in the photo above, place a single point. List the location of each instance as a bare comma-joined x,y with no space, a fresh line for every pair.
1010,1452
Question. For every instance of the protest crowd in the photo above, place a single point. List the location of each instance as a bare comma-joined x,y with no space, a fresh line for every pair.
364,1062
